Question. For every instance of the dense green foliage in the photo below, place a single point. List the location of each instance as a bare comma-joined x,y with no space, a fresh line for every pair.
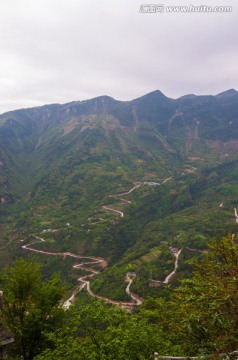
61,164
198,319
208,301
106,333
30,308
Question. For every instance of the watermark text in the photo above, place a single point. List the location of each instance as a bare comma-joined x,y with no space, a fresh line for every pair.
161,8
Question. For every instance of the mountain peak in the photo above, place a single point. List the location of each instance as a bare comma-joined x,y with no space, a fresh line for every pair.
154,95
226,93
104,98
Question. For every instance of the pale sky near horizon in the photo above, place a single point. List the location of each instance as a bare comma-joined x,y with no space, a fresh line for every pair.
57,51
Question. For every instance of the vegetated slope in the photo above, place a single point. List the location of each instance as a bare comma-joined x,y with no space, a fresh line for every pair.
185,213
36,141
135,134
60,164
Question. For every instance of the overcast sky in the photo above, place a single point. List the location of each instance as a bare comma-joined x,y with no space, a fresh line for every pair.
65,50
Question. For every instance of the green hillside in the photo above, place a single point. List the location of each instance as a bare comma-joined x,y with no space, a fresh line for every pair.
131,182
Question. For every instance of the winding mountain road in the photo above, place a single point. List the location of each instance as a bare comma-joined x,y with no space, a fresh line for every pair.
82,279
236,215
169,277
97,261
121,213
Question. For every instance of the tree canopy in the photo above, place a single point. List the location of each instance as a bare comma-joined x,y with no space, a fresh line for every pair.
199,318
31,306
205,306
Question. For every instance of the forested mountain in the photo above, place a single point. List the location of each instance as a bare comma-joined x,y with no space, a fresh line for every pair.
151,133
131,182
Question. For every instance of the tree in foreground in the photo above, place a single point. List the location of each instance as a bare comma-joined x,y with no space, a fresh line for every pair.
200,319
102,332
205,306
31,307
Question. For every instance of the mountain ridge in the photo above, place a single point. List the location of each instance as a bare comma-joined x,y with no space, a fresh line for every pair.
37,126
155,92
